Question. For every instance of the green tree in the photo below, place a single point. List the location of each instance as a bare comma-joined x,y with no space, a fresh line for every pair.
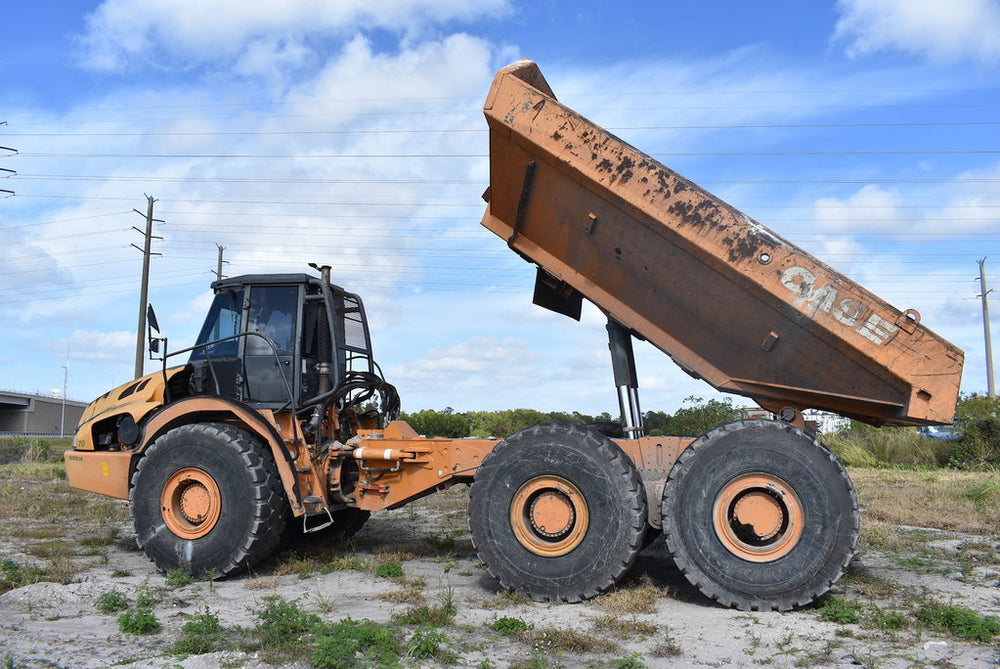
446,423
977,419
700,417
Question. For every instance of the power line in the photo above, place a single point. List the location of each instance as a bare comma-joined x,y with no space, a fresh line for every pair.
478,156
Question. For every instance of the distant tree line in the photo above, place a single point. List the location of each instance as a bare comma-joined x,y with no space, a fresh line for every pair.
696,417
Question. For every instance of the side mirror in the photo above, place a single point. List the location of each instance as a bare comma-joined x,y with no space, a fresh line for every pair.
153,326
151,318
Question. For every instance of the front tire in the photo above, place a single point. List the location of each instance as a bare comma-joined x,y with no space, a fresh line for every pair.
557,513
207,499
760,516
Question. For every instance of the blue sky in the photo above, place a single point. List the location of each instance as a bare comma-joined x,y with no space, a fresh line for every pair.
351,133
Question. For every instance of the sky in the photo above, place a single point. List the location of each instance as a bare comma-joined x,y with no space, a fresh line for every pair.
351,133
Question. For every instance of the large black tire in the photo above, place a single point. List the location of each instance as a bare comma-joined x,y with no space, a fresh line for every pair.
207,499
760,516
557,513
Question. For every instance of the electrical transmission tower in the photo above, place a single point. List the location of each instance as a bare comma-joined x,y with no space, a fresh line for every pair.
144,290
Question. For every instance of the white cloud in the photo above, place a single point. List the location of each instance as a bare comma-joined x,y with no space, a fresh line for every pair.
94,345
122,34
871,210
942,31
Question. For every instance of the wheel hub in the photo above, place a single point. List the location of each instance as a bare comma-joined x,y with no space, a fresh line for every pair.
758,517
549,516
190,503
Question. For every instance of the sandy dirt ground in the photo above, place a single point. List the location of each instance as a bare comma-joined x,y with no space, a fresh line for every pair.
55,625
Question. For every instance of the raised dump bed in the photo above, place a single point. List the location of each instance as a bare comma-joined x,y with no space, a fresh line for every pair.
729,300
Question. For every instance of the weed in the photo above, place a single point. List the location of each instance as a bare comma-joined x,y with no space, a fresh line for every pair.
356,643
342,563
262,584
836,609
433,616
138,621
201,634
389,570
625,627
427,643
959,621
178,579
668,647
282,623
112,602
633,661
890,620
147,596
8,661
639,598
404,596
867,658
441,543
14,575
507,626
556,639
505,600
536,661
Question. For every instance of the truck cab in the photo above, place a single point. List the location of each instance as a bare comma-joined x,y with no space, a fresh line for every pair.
279,341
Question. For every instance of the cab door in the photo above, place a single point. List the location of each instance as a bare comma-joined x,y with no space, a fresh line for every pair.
269,346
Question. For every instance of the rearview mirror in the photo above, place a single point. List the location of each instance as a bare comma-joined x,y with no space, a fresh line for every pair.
153,326
151,318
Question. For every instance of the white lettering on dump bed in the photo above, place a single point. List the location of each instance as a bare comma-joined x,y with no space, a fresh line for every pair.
847,311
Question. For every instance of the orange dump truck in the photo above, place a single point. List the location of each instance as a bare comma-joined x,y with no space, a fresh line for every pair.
275,421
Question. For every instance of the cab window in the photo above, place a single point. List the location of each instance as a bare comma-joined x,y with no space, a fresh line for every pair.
225,319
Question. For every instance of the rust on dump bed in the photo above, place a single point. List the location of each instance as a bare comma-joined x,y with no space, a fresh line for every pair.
726,298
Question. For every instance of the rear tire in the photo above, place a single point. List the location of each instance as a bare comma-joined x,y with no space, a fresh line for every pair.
557,513
206,499
760,516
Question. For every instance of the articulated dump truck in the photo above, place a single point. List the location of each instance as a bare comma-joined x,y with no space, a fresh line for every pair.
280,421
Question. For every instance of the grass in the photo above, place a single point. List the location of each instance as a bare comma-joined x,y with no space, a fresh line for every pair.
14,575
875,447
426,644
838,609
202,633
282,623
112,602
959,501
959,622
625,626
350,644
507,626
638,597
140,621
557,639
389,570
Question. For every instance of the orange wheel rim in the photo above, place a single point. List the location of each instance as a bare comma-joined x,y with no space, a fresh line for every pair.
758,517
549,516
190,503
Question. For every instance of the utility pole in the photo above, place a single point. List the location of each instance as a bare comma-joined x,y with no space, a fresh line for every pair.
990,388
218,272
62,416
144,290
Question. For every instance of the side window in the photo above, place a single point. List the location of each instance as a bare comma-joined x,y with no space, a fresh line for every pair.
272,314
224,320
